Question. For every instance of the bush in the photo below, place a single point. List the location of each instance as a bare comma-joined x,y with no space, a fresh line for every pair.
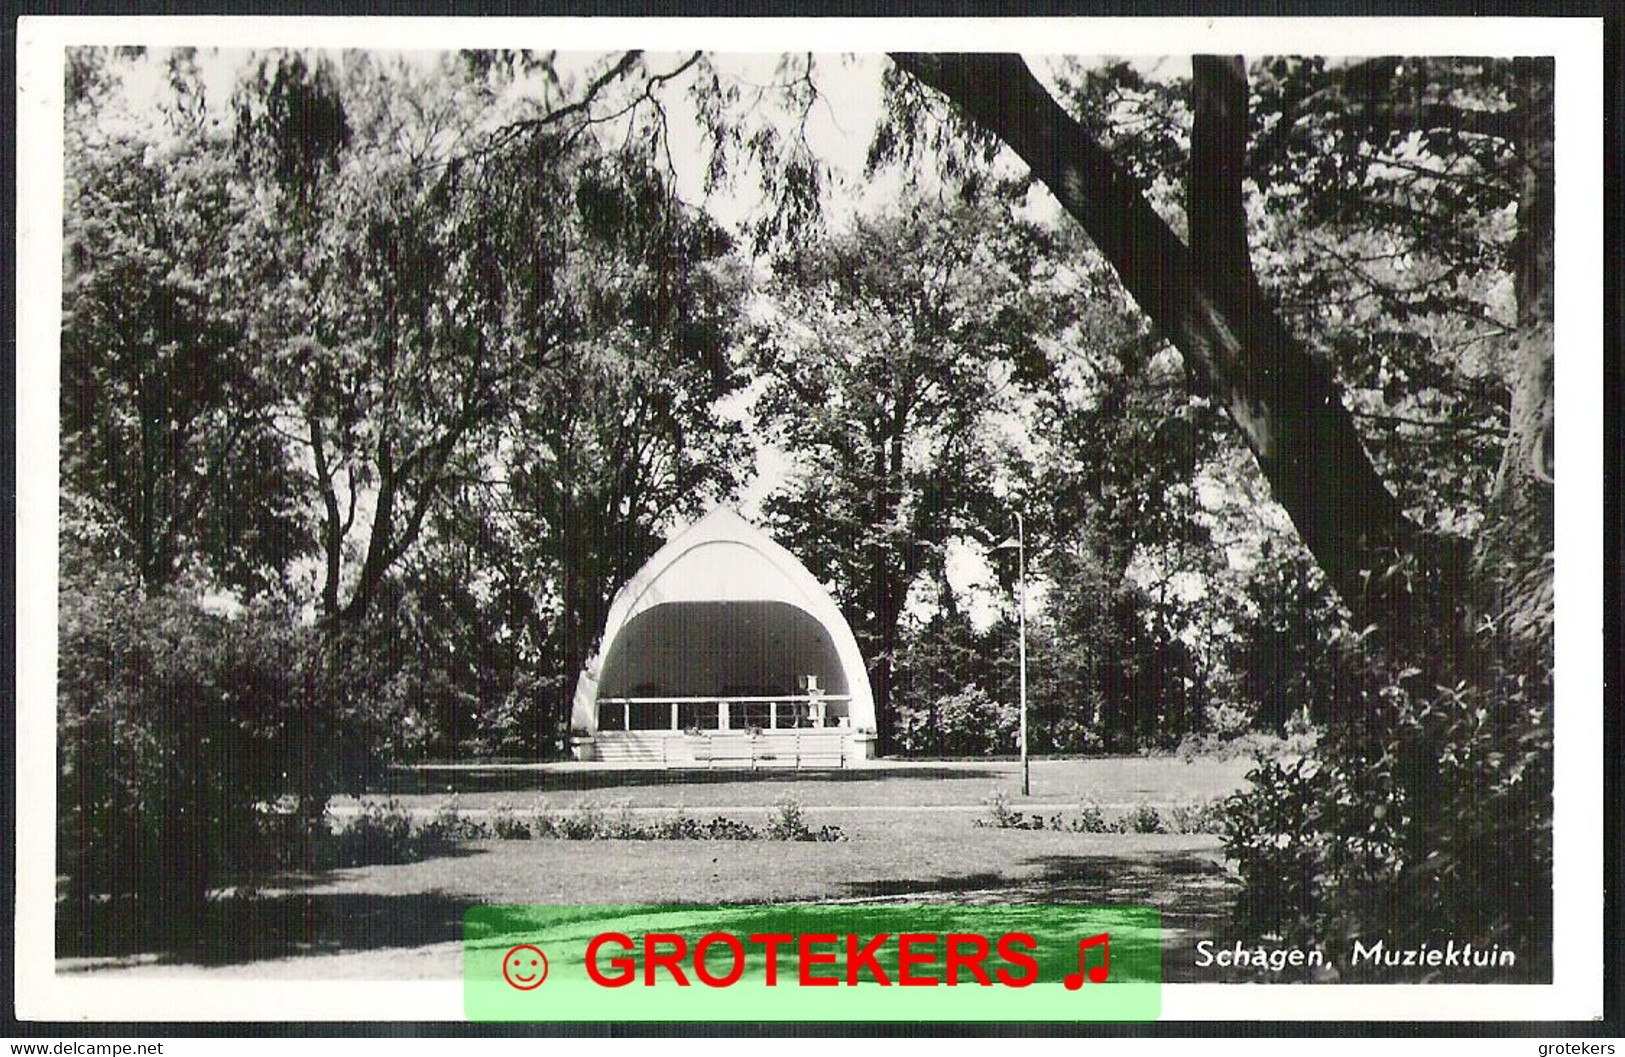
678,827
449,824
721,828
624,826
506,823
380,833
789,821
1427,819
1091,819
587,821
385,833
1002,816
1144,819
1195,818
186,741
1068,735
964,723
1255,744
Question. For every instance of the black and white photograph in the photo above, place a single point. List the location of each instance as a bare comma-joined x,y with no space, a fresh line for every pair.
1011,466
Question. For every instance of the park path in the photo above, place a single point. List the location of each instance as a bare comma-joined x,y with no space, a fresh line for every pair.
343,811
940,789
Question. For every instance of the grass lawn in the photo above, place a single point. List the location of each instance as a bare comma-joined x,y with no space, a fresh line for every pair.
911,835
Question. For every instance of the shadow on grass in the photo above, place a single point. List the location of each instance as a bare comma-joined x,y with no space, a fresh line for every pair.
1195,883
1195,895
1193,892
237,930
882,930
498,779
271,915
1190,890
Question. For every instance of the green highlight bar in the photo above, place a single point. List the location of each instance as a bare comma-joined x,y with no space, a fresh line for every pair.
812,963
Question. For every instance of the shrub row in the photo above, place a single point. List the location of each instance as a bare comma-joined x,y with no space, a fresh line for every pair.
1089,818
386,831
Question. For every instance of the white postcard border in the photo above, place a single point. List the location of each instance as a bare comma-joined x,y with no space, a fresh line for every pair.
1576,990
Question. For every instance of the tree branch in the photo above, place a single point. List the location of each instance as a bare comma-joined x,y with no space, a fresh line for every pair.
1285,402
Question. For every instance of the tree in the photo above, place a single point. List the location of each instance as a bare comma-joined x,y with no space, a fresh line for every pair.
512,335
890,351
307,138
1111,669
1432,809
1281,663
1429,814
628,430
1420,587
385,304
164,420
1392,255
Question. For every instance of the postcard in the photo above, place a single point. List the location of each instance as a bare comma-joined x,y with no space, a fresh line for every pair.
809,520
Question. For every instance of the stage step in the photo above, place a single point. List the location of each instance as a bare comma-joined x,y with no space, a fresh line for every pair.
798,749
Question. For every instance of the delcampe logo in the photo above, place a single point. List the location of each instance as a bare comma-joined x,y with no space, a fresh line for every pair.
895,963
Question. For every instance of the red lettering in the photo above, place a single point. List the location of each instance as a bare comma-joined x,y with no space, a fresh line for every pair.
865,957
628,966
703,971
672,962
808,960
907,958
973,962
770,945
1007,944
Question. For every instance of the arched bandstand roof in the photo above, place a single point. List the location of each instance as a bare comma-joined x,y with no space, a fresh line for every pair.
723,611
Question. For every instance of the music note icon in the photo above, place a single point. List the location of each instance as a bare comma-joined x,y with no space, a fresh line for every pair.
1096,975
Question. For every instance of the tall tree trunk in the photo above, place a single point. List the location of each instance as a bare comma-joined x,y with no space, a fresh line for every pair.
1389,572
1215,207
1513,559
887,608
332,526
378,558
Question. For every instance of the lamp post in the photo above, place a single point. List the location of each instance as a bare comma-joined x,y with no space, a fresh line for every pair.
1020,546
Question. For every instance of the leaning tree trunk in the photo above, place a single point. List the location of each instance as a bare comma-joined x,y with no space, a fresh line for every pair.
1418,588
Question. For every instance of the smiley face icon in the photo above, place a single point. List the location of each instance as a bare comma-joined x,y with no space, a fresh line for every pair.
524,967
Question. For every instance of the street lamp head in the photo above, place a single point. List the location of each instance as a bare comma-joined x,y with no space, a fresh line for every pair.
1010,544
